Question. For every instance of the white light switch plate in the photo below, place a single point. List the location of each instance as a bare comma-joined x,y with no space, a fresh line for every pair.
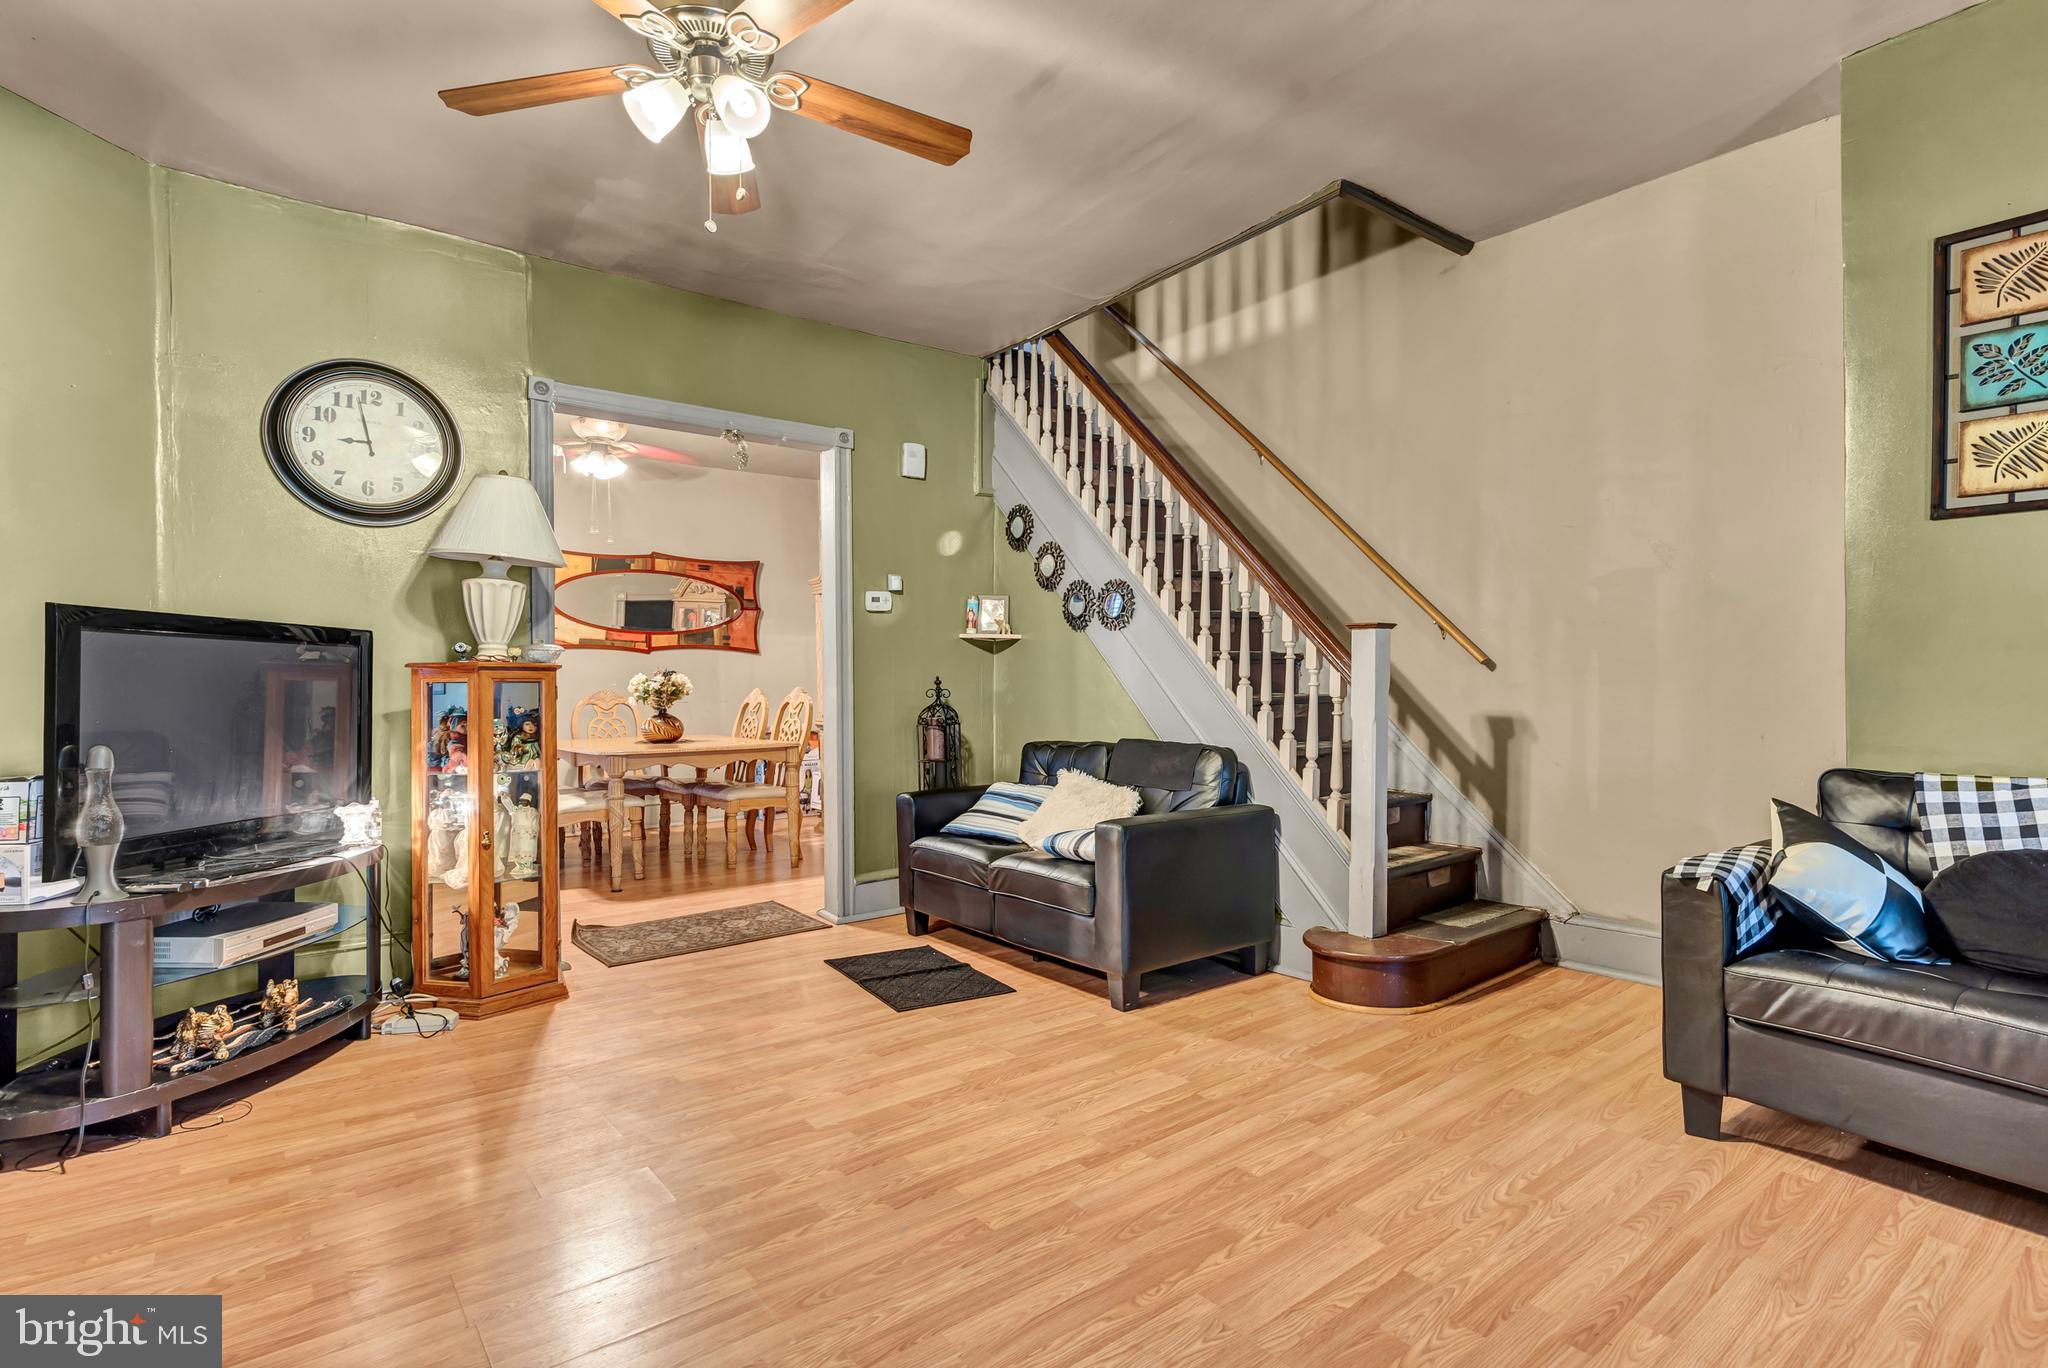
895,584
913,460
880,601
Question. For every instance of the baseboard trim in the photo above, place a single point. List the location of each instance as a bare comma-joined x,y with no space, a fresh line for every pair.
873,899
1598,946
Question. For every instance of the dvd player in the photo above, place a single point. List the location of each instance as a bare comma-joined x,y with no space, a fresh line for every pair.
242,933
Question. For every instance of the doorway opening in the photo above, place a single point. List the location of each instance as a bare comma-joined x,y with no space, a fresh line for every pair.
714,544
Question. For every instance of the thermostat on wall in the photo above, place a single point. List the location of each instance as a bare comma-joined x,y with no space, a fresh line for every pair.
880,601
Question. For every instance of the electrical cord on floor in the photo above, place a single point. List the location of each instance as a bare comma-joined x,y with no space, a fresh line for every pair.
219,1118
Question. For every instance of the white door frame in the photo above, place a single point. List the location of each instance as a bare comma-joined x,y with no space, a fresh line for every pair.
835,567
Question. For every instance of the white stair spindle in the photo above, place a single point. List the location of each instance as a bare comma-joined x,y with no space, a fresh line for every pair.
1011,388
1033,362
1148,531
1335,806
1244,640
1287,694
1183,567
1048,413
1077,452
995,376
1311,767
1267,638
1063,419
1225,606
1105,482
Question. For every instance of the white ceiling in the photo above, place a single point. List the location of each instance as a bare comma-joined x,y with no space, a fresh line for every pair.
1110,139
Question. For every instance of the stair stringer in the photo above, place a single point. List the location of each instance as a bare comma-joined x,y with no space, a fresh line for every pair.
1181,701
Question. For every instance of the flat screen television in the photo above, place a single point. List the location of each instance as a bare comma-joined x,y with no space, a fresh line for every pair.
233,741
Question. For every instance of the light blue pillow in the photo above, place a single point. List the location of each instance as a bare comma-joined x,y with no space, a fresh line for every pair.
998,813
1078,844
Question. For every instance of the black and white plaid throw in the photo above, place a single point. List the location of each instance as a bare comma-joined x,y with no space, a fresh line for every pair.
1745,872
1968,814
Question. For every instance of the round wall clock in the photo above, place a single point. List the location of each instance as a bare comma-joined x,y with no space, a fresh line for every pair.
361,442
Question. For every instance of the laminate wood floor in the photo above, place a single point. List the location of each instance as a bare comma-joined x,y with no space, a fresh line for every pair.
740,1157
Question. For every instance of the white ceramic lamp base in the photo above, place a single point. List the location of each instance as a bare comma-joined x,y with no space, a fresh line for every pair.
496,604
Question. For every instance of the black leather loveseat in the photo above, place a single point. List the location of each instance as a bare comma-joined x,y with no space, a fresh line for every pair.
1195,873
1948,1061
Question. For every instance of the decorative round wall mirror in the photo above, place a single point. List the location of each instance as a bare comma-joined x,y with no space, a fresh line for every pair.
1119,605
1017,527
1078,604
1049,566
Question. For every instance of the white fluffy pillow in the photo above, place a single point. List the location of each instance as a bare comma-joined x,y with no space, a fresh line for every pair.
1078,801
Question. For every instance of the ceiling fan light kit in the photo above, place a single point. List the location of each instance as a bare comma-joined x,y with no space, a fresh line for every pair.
720,66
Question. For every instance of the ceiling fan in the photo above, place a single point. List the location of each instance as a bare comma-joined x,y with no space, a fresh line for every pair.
717,68
601,450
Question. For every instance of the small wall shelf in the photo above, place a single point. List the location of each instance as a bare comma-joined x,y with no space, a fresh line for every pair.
990,636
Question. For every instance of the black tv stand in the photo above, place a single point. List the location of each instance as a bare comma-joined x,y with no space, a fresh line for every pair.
123,1081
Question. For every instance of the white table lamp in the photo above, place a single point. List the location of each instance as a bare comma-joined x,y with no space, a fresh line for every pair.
500,523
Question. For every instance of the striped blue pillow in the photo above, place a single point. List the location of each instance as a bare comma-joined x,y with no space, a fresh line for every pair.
1078,844
999,812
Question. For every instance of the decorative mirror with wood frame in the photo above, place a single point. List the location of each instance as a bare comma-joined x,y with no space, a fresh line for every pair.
656,602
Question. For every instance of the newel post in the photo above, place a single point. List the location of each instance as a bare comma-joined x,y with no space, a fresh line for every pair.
1370,642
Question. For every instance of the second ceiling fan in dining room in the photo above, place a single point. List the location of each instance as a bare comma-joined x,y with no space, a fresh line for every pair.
716,69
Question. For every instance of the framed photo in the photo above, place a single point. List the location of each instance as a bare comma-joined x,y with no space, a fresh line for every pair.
1991,369
994,614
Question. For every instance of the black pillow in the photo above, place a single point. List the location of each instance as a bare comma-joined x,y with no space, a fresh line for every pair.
1835,885
1994,907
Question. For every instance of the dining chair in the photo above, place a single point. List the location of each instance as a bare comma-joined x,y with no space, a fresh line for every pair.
748,724
792,724
608,715
579,807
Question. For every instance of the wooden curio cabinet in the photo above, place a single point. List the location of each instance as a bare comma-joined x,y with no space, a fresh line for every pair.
486,931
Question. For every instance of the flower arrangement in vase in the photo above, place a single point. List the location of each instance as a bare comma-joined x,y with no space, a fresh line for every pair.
659,691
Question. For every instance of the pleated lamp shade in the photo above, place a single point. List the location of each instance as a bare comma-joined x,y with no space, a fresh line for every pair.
498,518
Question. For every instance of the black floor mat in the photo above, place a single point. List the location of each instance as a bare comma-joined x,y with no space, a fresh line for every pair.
918,977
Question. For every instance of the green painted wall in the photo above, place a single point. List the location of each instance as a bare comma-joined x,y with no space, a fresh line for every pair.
1053,685
77,395
1941,616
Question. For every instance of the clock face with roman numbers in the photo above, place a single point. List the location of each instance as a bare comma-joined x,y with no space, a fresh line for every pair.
361,442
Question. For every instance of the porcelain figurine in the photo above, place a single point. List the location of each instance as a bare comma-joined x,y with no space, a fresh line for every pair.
525,820
502,927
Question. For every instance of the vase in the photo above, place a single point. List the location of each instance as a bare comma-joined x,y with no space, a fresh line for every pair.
661,728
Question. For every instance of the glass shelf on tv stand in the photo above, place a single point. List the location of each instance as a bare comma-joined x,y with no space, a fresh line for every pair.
55,987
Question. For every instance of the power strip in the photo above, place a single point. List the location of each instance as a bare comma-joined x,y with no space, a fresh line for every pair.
428,1021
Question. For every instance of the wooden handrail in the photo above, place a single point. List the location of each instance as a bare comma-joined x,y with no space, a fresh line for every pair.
1301,487
1335,647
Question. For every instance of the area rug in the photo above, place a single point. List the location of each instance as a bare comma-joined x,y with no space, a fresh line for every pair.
651,940
918,977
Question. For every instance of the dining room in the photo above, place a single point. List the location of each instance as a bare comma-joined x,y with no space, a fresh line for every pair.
690,615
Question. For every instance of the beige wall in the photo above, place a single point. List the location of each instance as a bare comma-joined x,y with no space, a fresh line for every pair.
709,514
1609,445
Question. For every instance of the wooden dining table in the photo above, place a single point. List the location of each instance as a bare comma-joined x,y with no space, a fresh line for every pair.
619,757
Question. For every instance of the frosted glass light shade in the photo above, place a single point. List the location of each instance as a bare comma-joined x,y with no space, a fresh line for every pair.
742,106
656,107
499,518
725,152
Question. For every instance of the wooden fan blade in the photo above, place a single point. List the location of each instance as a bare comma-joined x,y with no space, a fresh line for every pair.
529,91
906,130
623,10
784,18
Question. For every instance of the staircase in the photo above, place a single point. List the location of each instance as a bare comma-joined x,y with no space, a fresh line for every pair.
1222,649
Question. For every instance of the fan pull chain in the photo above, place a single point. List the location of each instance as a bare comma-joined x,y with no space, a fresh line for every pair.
710,222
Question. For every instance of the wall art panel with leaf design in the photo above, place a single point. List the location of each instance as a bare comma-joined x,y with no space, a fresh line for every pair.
1991,369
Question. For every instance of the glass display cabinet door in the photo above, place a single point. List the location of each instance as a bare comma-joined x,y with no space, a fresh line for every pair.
520,834
449,802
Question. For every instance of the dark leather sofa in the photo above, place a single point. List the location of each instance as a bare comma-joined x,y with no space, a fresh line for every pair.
1195,873
1947,1061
